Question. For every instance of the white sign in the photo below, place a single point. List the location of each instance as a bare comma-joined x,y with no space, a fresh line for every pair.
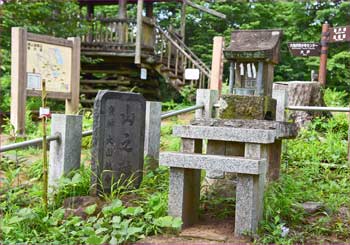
33,81
143,73
44,112
192,74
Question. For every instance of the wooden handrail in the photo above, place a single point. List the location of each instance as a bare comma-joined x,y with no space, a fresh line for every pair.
187,49
188,56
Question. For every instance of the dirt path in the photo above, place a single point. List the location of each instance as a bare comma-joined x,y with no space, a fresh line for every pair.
205,232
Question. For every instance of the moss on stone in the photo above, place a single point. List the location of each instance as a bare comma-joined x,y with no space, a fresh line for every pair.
247,107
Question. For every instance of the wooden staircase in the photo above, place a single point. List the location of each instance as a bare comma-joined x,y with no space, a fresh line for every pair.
174,57
163,54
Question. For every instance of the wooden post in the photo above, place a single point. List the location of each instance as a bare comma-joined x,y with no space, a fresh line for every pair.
323,58
122,14
138,32
72,105
217,64
18,78
44,145
149,10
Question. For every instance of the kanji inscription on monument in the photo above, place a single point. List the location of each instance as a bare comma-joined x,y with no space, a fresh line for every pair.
118,139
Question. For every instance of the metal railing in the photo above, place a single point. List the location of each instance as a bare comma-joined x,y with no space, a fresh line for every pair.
28,143
38,141
318,108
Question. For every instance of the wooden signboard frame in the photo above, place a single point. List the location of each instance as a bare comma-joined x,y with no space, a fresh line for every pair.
19,91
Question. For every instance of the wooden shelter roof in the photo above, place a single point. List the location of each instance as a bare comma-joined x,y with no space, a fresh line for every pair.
101,2
254,45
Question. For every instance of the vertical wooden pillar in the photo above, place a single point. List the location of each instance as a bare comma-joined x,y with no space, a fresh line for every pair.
90,14
268,76
217,64
122,27
18,78
149,10
323,58
72,105
138,32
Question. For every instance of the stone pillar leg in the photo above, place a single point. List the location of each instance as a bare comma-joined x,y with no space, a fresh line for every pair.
152,133
65,153
208,98
184,187
250,193
215,147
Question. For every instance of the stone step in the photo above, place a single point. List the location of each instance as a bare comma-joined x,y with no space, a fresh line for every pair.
239,165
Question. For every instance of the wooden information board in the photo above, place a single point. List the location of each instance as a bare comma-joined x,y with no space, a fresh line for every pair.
36,57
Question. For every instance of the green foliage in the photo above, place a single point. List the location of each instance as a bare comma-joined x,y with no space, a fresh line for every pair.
314,168
333,97
116,223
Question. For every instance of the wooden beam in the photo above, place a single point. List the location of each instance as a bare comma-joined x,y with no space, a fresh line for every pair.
204,9
72,105
217,64
18,78
138,32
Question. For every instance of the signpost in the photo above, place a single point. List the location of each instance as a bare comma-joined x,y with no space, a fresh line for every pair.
339,34
304,49
35,58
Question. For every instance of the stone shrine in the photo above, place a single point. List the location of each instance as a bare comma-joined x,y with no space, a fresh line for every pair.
245,140
118,139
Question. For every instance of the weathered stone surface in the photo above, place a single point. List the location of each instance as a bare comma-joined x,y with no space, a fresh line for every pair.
249,194
312,207
184,187
184,191
118,139
65,153
208,98
213,162
215,147
247,107
303,93
152,132
281,97
282,129
226,134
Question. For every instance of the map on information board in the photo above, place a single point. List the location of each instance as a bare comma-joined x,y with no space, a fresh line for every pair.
50,62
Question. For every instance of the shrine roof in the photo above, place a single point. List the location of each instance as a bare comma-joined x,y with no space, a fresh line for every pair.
254,40
254,45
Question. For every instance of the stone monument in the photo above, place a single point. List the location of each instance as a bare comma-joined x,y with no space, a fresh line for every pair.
118,140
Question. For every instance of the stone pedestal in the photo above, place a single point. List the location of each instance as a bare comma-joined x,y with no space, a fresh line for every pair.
252,164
